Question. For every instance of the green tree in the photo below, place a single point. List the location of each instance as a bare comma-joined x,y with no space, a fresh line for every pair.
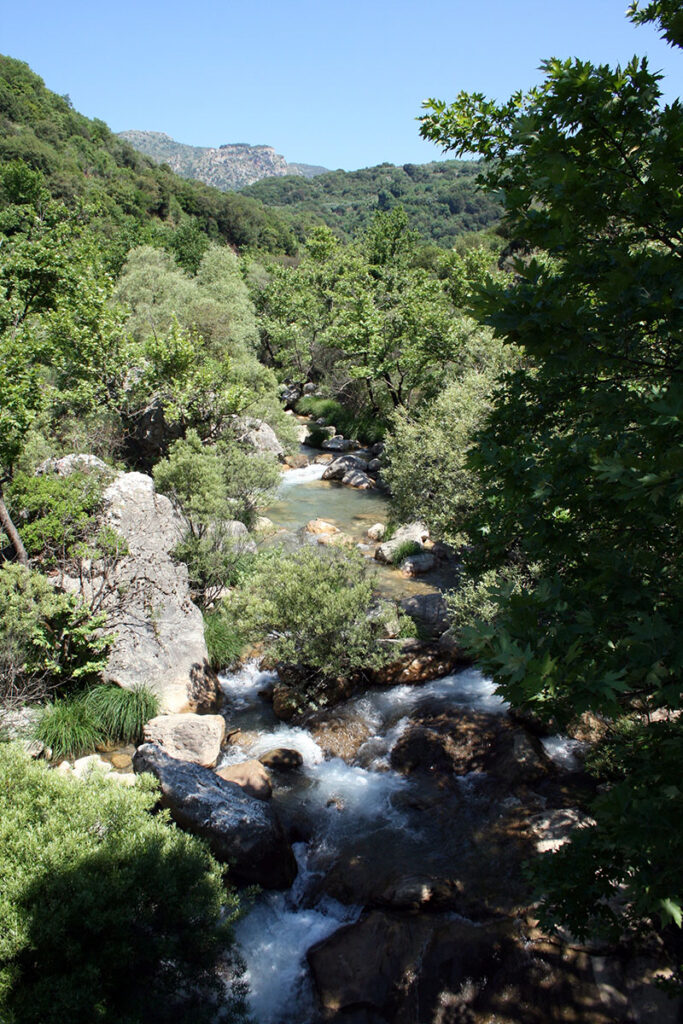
581,458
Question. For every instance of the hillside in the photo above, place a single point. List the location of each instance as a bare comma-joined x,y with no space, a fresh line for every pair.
127,195
441,199
227,167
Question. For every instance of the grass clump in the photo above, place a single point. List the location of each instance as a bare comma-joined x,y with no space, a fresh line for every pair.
121,714
406,549
68,727
223,641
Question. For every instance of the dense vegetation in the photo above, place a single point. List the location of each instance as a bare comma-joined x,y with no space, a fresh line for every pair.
442,200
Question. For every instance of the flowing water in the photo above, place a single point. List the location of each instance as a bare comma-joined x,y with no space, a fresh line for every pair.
360,825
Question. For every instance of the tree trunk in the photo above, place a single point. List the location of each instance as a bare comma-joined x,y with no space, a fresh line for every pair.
12,532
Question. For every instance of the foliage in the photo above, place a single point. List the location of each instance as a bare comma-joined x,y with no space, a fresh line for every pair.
68,727
223,641
311,608
405,549
107,912
580,461
55,512
121,714
214,561
361,426
442,200
47,638
215,484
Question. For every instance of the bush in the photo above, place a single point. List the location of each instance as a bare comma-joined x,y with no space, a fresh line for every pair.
350,424
121,714
223,641
107,912
213,561
55,512
312,607
405,549
47,638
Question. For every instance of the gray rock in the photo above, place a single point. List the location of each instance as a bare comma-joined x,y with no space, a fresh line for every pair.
239,829
259,436
239,536
290,395
75,463
416,532
374,466
339,467
309,388
339,444
377,531
159,632
195,738
356,478
416,565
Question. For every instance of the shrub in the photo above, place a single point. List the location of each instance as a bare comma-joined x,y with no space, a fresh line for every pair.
55,512
223,641
121,714
364,427
214,561
107,912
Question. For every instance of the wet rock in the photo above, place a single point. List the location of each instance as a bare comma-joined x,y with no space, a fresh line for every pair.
340,467
358,479
195,738
374,466
417,565
282,759
324,459
339,736
418,533
417,662
461,741
239,829
377,531
251,776
296,461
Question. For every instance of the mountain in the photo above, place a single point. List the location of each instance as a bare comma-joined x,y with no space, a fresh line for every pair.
442,199
228,167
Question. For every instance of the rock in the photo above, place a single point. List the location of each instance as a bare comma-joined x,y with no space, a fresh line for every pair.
418,533
259,436
377,531
238,535
239,829
92,763
296,461
339,467
301,431
195,738
339,736
121,761
339,444
320,526
417,662
75,463
35,749
64,768
377,449
309,388
356,478
324,459
290,394
159,632
552,828
374,466
264,525
429,609
282,759
251,776
417,565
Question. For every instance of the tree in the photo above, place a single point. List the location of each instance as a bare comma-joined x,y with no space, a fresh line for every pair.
581,458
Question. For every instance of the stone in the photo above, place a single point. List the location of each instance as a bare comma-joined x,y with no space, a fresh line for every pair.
187,737
121,761
417,565
290,394
296,461
239,536
339,444
339,467
301,431
374,466
417,661
316,527
429,609
159,632
74,463
310,388
552,828
358,479
239,829
377,531
251,776
35,748
92,763
418,533
339,736
258,435
282,759
264,525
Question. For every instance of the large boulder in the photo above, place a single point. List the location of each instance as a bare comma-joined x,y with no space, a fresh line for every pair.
417,533
259,436
338,468
239,829
194,738
358,479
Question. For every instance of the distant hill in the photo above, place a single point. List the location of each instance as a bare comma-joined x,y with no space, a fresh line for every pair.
130,198
441,199
228,167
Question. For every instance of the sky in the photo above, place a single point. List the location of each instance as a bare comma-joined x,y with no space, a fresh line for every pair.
325,82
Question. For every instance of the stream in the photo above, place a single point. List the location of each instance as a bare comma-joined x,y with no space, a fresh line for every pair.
361,830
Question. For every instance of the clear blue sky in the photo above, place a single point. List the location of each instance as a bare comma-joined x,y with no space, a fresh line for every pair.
331,83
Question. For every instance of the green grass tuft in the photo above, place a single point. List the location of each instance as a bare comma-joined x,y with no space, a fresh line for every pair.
121,714
405,549
223,641
68,727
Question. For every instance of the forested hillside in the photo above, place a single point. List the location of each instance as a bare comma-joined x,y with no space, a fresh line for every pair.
128,198
442,200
